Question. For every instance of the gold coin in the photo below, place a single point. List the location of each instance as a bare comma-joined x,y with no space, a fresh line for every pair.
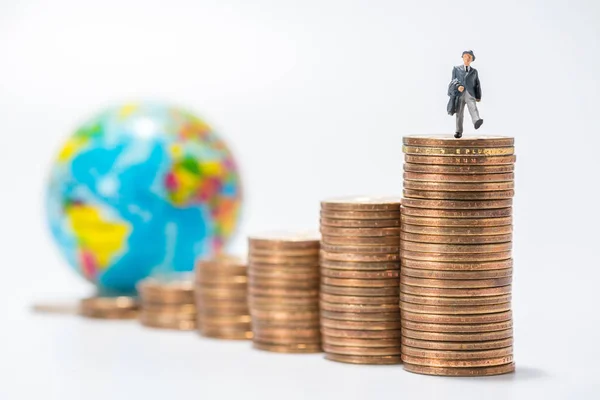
460,160
259,324
456,239
389,334
447,328
450,141
458,337
119,307
455,301
257,281
360,265
457,204
360,325
430,362
361,215
459,187
360,241
349,274
362,351
374,360
179,309
288,253
456,222
452,292
454,195
351,342
456,248
489,213
166,321
362,203
360,291
362,317
274,303
284,240
365,249
285,316
221,280
360,283
457,319
285,275
464,346
226,334
289,262
360,232
275,334
458,275
214,294
360,223
281,292
456,231
458,178
455,257
466,266
456,355
359,257
284,269
459,151
456,283
443,371
333,298
291,348
459,169
359,308
454,309
236,319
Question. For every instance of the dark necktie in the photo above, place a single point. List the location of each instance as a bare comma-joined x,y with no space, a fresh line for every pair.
467,69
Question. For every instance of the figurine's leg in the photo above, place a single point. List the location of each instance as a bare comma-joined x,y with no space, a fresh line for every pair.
460,113
472,106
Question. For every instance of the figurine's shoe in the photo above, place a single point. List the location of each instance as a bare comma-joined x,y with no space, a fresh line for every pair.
478,123
458,135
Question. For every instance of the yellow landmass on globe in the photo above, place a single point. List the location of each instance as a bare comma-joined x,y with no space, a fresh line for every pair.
102,238
187,185
71,148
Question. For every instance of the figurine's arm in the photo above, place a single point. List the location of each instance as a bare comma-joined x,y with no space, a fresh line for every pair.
477,88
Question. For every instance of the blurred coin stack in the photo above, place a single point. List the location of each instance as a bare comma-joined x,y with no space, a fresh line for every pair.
168,302
222,298
456,244
283,292
360,267
119,307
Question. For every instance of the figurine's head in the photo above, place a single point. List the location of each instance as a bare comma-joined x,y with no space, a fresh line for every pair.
468,57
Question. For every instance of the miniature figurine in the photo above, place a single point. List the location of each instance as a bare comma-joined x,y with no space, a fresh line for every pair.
464,77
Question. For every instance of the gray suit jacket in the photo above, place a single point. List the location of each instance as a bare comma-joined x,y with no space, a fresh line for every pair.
469,80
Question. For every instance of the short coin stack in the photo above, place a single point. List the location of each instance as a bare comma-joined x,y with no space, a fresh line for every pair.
222,298
456,245
118,307
168,302
283,272
360,267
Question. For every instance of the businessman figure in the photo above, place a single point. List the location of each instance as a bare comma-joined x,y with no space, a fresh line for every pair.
469,92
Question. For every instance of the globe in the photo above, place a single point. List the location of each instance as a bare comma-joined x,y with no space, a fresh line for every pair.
139,190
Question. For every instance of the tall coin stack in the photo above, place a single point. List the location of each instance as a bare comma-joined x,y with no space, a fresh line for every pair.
283,292
222,298
360,267
456,242
168,302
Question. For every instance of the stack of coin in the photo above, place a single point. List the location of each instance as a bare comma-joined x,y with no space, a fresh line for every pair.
222,298
117,307
456,244
283,272
360,267
168,302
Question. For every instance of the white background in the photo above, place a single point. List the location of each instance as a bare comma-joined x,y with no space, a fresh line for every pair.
314,98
